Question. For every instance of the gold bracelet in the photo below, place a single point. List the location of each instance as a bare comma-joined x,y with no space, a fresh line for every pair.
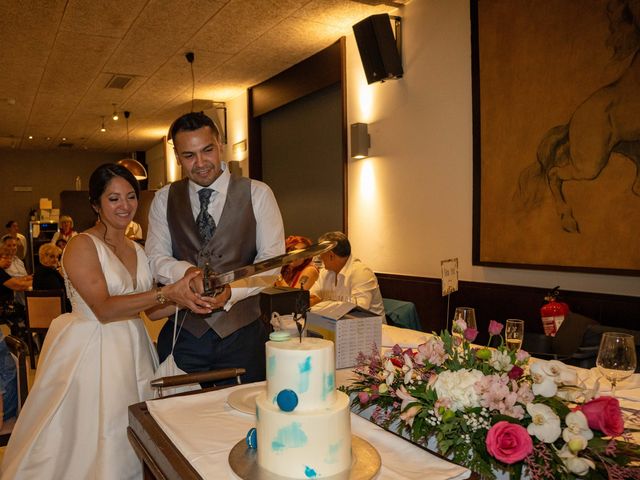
160,298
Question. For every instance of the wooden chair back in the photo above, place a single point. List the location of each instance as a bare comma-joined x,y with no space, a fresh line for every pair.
42,307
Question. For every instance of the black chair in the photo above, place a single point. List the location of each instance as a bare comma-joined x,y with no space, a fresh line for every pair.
18,350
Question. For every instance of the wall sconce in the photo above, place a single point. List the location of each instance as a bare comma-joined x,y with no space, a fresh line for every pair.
360,140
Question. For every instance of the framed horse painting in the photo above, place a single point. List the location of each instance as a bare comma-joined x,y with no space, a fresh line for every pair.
556,117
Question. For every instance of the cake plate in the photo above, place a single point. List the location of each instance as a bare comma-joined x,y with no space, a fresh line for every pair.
365,463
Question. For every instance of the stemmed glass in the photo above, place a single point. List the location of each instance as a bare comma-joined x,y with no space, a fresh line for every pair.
514,334
467,314
616,357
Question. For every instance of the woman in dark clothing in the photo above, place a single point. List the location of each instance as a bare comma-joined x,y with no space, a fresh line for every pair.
47,275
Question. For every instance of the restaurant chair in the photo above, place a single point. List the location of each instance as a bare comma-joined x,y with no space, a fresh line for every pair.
18,350
197,377
403,314
42,307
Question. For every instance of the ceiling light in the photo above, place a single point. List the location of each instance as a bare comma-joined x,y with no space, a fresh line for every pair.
102,129
134,167
115,113
64,139
30,137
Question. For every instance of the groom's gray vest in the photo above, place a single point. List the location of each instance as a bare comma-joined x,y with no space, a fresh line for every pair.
233,245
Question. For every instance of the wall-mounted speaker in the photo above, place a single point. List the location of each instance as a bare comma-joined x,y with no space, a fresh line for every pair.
378,49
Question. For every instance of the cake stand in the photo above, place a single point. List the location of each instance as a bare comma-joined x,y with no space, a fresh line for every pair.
365,463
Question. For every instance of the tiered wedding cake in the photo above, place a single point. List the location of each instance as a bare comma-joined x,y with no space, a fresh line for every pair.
303,424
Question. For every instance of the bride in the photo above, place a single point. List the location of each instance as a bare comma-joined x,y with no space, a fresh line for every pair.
98,360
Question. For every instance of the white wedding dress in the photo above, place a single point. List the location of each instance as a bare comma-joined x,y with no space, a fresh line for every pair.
74,424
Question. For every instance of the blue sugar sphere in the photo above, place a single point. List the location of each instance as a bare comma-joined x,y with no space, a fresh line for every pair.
287,400
252,438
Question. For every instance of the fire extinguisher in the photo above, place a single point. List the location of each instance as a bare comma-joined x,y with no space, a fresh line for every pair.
553,312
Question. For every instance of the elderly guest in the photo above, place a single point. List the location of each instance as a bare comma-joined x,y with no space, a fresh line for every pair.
346,278
66,231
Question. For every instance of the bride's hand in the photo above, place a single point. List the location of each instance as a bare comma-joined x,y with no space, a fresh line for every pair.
182,294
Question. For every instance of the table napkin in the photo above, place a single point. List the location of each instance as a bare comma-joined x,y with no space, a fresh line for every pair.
204,428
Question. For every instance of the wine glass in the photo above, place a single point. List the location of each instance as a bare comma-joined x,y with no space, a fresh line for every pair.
616,357
514,334
467,314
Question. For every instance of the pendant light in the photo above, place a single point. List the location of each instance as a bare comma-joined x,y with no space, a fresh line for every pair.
131,164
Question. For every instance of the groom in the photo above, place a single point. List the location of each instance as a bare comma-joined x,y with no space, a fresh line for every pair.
226,221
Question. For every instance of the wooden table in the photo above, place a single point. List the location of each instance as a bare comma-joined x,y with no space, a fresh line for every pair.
160,458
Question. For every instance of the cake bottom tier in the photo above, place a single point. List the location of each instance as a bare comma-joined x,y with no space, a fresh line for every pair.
304,445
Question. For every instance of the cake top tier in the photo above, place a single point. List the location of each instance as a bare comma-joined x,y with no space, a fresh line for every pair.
306,368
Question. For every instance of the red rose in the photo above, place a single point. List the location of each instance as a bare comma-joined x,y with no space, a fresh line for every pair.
515,372
509,442
603,413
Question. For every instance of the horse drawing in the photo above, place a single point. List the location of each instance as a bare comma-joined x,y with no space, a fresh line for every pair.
607,122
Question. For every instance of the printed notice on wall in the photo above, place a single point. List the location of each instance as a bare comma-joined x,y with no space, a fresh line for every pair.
449,276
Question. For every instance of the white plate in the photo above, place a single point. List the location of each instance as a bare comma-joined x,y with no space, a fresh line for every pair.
244,399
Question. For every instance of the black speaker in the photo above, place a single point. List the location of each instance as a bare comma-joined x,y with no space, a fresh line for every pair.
378,49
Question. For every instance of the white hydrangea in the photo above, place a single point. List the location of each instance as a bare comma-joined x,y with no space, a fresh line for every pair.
458,388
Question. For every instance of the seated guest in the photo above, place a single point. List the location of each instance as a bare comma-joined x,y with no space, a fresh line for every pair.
13,230
61,243
8,384
12,313
47,275
66,231
346,278
16,269
301,273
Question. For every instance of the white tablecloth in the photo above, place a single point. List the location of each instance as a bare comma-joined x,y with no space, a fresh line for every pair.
205,428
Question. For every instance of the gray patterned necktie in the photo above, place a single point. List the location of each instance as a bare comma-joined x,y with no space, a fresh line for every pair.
204,221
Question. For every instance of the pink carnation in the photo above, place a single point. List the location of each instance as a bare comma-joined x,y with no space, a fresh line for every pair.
470,334
508,442
495,327
603,413
363,397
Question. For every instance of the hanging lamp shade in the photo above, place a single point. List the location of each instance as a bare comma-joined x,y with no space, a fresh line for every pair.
135,167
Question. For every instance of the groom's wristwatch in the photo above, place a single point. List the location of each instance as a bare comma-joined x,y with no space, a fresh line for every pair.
160,297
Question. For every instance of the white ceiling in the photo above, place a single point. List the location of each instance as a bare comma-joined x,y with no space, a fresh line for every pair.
57,56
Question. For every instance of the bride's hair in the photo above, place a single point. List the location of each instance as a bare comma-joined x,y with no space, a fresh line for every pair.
98,182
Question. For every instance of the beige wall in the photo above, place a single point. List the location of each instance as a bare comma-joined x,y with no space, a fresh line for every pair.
47,173
410,203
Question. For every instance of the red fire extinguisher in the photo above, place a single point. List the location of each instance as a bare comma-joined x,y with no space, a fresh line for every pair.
553,312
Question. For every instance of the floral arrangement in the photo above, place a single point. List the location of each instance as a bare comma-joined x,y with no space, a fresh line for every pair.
491,411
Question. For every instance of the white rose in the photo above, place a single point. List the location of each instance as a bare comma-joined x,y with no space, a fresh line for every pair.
458,387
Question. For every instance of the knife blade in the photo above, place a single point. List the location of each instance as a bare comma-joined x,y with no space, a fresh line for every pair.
215,282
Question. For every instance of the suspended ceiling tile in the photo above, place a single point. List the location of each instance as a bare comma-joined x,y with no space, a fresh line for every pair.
242,22
161,30
107,18
339,13
74,63
27,31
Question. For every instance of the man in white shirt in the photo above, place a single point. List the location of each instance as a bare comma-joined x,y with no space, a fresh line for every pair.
219,220
345,278
13,229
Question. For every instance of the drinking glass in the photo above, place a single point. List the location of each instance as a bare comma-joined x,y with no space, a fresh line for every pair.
467,314
514,334
616,357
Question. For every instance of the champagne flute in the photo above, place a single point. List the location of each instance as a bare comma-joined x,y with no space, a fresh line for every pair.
616,357
514,334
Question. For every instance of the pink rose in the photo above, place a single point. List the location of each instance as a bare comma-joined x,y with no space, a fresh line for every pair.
509,442
603,413
363,397
495,327
470,334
